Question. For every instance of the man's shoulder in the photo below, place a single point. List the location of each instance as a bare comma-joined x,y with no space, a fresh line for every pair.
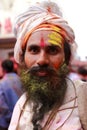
22,99
81,90
81,87
77,89
78,84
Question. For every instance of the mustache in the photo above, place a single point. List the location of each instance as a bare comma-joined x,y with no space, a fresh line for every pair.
48,69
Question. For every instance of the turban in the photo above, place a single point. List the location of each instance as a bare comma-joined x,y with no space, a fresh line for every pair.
40,13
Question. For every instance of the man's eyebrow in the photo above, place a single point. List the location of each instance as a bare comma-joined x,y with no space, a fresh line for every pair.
53,45
34,45
47,46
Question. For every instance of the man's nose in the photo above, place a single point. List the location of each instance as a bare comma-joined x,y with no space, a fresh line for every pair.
43,59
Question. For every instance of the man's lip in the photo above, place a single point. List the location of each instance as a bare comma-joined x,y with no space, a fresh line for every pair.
42,73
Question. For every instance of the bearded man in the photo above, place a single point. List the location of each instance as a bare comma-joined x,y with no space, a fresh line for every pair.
43,45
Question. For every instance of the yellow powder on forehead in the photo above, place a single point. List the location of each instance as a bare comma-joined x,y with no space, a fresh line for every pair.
58,36
55,39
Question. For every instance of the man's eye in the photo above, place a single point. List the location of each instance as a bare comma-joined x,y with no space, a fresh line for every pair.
34,49
53,50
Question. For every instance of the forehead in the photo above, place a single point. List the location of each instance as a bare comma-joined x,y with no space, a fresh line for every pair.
37,36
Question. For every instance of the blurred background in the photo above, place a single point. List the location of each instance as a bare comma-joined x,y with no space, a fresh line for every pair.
73,10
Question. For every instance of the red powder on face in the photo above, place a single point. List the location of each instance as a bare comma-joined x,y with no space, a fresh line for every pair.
42,43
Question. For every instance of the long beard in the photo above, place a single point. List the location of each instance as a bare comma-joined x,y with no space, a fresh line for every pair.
46,91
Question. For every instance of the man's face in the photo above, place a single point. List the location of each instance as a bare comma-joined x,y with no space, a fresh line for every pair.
43,49
44,58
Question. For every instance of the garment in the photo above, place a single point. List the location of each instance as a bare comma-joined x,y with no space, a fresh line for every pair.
10,91
66,118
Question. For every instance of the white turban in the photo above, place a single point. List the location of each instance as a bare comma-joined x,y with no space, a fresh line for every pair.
40,13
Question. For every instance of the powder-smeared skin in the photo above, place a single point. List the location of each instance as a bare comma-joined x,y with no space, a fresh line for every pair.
55,37
42,43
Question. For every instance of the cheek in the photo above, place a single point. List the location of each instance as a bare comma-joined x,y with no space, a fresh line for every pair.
56,65
28,60
58,62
